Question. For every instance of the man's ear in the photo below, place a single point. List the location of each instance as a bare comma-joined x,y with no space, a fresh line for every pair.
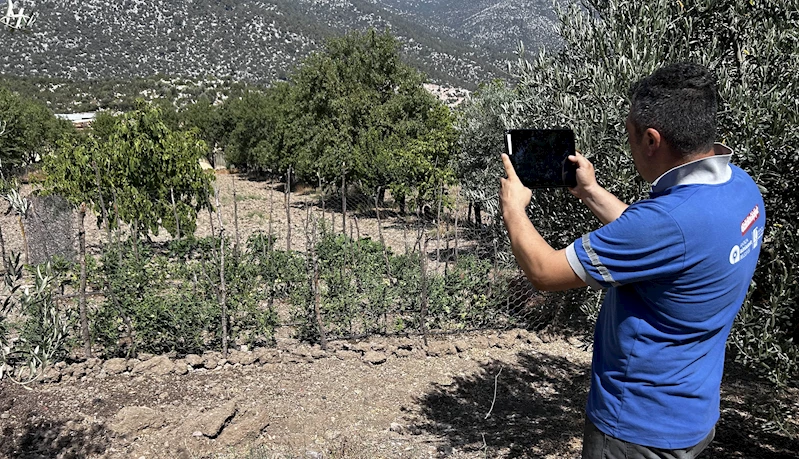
653,141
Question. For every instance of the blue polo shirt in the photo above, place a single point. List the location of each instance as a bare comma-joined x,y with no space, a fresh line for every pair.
676,268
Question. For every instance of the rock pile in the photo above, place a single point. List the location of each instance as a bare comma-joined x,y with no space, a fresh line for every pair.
372,352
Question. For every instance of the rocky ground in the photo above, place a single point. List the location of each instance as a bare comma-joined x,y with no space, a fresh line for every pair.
502,395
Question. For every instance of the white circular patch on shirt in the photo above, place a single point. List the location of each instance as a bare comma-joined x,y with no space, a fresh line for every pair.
735,255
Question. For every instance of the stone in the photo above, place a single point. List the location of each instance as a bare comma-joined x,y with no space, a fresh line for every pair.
181,367
481,342
131,420
266,355
441,348
402,353
363,347
234,357
287,344
247,428
211,360
462,345
374,357
159,366
76,370
115,366
212,422
247,358
317,353
405,343
347,355
194,360
51,375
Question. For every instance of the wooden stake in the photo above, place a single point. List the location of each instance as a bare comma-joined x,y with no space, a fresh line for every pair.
222,286
84,318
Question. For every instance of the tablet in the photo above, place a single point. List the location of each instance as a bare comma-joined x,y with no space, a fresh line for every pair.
540,157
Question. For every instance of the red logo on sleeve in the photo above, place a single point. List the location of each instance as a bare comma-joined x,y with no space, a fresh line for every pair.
750,220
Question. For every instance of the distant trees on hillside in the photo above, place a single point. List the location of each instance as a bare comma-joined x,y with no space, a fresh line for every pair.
27,131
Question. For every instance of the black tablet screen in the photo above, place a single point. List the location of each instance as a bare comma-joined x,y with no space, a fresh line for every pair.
540,157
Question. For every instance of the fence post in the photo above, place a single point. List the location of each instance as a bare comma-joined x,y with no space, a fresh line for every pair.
423,302
438,224
288,209
222,286
314,278
457,202
84,319
235,216
380,234
344,199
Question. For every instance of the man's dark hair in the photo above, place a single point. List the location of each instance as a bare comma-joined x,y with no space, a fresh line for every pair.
679,101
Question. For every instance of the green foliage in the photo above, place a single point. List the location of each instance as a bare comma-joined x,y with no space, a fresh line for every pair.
28,130
753,47
366,289
480,142
170,302
34,328
354,110
143,166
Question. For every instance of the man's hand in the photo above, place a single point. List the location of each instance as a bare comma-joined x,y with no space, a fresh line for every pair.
586,177
513,195
601,202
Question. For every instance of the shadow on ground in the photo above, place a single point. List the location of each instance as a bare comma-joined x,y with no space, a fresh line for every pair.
539,412
38,437
538,409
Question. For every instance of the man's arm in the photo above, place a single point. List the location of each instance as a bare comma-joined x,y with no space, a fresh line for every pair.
602,203
546,268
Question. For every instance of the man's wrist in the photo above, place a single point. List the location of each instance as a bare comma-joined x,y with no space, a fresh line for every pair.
512,214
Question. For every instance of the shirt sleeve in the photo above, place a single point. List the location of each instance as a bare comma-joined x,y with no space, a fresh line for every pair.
644,243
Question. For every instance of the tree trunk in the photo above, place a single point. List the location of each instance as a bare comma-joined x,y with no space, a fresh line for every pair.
3,250
478,216
102,202
175,210
84,318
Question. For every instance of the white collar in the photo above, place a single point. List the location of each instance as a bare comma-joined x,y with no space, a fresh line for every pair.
711,170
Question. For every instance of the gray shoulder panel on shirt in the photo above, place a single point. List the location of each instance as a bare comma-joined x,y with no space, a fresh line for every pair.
577,267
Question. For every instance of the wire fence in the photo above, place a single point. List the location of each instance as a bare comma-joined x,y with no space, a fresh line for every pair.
316,263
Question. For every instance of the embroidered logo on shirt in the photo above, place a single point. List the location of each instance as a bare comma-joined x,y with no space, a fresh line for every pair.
750,220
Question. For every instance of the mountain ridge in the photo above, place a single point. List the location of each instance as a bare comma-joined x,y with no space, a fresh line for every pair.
258,41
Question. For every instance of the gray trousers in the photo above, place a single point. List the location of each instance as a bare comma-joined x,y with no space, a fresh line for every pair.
597,445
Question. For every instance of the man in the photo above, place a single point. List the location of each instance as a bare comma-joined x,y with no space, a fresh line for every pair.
676,267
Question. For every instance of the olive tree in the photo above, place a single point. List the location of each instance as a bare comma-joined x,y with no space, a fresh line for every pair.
753,48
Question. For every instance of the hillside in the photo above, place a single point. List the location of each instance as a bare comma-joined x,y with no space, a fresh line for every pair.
458,43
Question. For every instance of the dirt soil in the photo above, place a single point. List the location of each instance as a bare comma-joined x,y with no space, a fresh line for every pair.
508,395
475,396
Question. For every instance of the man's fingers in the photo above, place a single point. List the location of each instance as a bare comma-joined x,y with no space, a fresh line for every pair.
509,170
